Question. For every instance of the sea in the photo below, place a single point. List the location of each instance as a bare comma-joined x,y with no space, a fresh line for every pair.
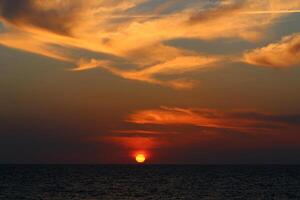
145,182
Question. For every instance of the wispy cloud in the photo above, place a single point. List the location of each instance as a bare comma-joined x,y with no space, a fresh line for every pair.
239,120
271,12
175,126
138,37
178,65
53,16
285,53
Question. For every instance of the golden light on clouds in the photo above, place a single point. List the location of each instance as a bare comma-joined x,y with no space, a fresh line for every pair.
122,33
285,53
120,80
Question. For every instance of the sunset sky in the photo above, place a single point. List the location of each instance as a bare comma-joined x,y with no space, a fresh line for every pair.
181,81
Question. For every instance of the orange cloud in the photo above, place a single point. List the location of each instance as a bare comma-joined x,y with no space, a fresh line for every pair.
138,38
178,65
283,54
29,43
244,121
172,126
271,12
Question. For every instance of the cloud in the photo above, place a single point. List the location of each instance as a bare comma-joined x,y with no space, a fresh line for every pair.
285,53
138,132
29,43
222,9
177,127
138,37
242,121
178,65
53,16
272,12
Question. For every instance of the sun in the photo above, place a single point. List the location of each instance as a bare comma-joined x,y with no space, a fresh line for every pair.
140,158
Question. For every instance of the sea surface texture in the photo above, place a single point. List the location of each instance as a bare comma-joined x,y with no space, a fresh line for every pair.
105,182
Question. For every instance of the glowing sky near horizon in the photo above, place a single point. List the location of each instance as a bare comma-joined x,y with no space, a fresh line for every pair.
89,81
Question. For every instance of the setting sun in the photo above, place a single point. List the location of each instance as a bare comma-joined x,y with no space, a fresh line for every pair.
140,158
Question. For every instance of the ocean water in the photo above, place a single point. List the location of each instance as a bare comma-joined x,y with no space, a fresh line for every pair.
106,182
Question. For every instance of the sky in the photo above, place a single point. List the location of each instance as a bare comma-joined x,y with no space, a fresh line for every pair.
181,81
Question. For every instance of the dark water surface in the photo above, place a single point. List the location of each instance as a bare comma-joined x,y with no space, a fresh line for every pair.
105,182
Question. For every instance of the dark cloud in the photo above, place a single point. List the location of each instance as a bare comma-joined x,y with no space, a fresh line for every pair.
27,12
1,27
292,119
217,11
